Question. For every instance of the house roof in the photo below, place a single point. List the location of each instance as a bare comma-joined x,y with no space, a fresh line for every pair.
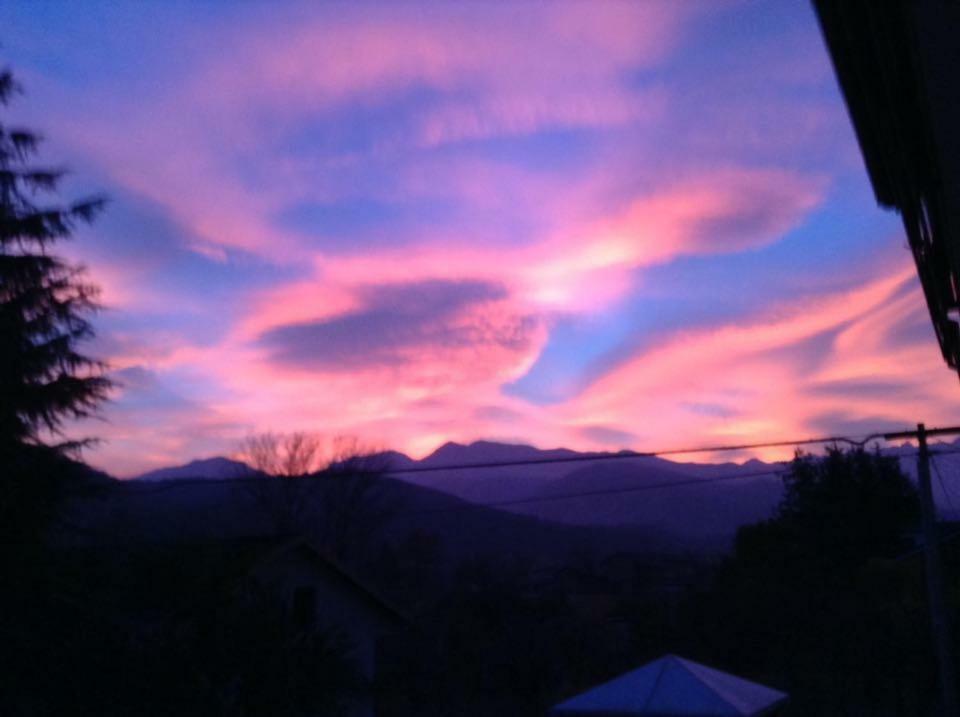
176,578
896,64
672,686
324,560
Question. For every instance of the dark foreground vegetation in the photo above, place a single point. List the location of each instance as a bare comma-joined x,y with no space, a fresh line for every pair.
826,601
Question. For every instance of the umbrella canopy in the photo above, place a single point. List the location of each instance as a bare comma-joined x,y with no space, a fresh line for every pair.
674,687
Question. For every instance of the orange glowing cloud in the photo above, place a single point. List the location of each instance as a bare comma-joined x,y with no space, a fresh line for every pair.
788,371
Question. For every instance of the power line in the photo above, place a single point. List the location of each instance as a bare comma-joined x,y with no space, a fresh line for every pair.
602,491
858,442
943,486
622,455
780,469
953,534
520,501
580,458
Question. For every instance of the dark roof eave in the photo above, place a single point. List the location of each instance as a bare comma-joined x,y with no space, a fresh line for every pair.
902,103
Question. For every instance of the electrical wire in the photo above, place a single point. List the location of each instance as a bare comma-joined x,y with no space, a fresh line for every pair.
176,484
953,534
580,458
607,491
638,454
943,485
779,469
465,505
782,470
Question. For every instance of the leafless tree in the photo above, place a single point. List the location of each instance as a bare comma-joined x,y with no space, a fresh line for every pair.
354,505
327,489
290,459
289,455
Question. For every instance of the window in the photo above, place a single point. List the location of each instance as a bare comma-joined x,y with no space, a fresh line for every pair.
304,607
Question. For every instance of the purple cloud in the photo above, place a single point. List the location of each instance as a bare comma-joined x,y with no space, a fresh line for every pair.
396,325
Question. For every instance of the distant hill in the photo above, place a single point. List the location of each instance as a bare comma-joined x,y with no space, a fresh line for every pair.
699,515
701,505
173,510
696,506
479,452
663,497
486,484
218,467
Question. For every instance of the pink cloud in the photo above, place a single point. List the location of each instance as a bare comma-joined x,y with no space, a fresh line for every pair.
349,54
209,148
784,371
775,381
584,268
504,70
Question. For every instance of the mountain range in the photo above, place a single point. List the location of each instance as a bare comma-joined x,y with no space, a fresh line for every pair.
693,505
217,467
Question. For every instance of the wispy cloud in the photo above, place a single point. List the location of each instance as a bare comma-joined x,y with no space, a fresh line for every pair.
385,220
781,371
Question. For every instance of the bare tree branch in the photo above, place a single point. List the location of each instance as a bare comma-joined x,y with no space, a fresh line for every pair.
330,490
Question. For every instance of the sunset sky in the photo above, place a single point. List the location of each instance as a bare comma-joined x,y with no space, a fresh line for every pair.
599,225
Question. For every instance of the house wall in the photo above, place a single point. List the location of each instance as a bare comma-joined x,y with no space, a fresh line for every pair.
340,607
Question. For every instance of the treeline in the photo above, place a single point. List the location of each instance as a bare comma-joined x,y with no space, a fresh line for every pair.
826,601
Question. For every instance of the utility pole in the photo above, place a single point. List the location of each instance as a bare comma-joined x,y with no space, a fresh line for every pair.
931,551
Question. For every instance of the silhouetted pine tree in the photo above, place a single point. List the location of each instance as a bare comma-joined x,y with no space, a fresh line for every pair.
44,379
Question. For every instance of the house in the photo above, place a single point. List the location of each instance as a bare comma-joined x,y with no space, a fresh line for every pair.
194,594
319,593
674,687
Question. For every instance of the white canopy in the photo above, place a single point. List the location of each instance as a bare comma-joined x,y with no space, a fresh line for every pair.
674,687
